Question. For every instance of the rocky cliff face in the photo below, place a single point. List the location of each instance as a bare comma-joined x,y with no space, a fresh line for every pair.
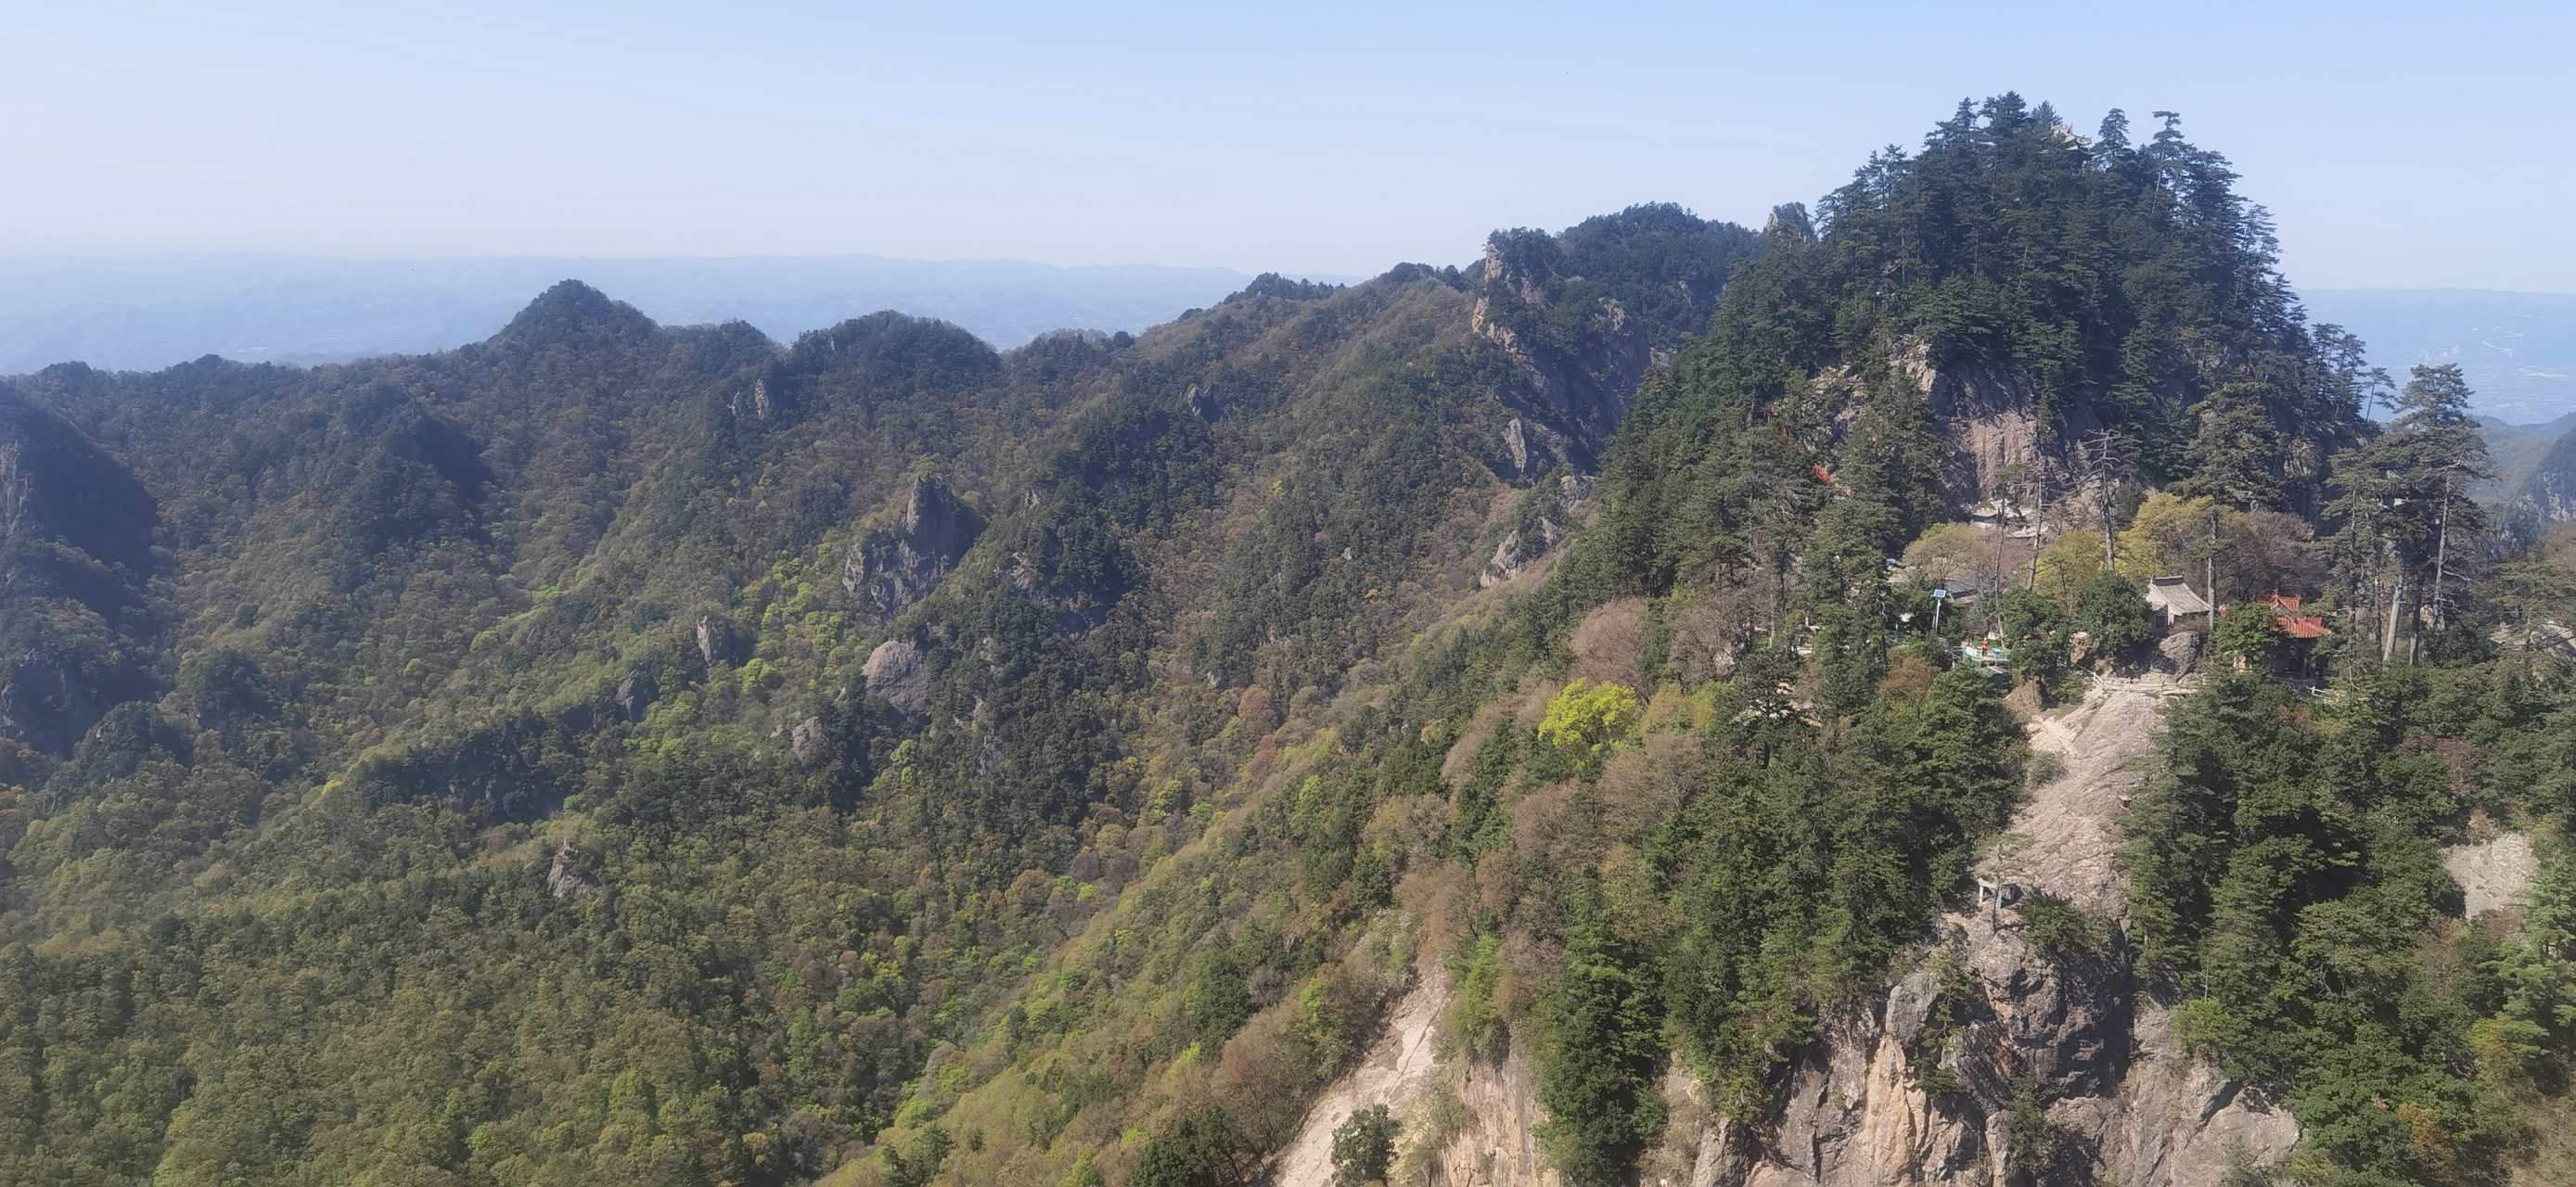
2105,1092
2057,1068
1990,413
1538,524
1987,1062
2052,1070
1578,351
1481,1116
893,567
2547,497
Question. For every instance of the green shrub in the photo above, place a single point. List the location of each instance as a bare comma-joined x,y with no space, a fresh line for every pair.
1474,1022
2114,613
1364,1146
2060,930
2248,630
2026,1137
1202,1149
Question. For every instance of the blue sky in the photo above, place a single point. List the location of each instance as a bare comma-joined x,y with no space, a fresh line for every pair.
2401,146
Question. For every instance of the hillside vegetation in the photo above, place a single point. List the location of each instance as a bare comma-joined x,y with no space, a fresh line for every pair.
612,753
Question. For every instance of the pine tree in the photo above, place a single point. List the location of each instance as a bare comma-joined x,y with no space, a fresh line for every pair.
2232,460
2233,455
2405,499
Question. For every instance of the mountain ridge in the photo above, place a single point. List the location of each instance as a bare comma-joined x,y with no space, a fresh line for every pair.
146,312
623,753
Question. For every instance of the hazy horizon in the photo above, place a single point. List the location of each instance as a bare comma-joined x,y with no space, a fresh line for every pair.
150,310
2396,148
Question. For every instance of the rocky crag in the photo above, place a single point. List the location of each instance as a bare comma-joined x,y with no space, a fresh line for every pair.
1988,1060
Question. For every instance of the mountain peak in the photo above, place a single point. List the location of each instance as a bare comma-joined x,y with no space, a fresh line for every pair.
572,310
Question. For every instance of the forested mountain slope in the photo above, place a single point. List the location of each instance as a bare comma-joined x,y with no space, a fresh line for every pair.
2545,497
515,703
612,753
1687,818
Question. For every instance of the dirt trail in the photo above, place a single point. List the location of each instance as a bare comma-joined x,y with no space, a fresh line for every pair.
2070,822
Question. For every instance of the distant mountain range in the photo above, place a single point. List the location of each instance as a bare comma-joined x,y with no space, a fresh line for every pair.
2518,448
144,312
616,752
2519,353
2518,349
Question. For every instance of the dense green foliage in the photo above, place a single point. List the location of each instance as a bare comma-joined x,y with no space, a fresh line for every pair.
1364,1146
464,765
1203,1149
1663,265
2405,501
621,754
2287,870
2096,283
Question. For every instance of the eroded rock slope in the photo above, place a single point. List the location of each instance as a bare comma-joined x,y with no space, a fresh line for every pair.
1920,1086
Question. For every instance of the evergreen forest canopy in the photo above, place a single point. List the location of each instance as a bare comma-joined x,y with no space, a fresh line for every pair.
624,754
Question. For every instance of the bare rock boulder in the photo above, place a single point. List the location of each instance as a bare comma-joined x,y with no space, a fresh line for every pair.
636,694
806,740
899,673
2177,653
567,877
720,641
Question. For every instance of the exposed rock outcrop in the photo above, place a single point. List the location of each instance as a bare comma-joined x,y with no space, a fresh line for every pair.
1990,413
721,641
1398,1069
1578,351
1518,549
2124,1103
635,695
1495,1138
893,567
2494,873
567,878
1538,525
899,673
2176,653
2547,497
2071,1033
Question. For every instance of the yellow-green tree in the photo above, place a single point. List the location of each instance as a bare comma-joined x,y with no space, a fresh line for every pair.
2171,534
2068,565
1584,717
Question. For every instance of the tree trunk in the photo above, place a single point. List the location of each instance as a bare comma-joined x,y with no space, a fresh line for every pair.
2209,569
2038,531
2441,548
2388,637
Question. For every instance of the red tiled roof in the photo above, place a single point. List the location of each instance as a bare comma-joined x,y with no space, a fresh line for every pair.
2294,624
